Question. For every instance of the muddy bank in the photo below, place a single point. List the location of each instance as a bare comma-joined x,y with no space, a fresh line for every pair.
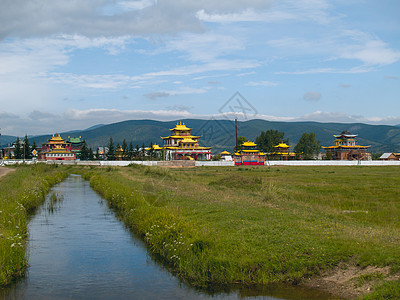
350,281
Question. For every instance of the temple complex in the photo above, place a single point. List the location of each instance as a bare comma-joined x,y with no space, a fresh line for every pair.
56,149
182,145
282,152
249,155
346,148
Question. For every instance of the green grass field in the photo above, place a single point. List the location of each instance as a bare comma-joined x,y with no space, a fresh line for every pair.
235,224
261,225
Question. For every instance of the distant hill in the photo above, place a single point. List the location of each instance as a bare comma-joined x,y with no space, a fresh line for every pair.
5,140
221,133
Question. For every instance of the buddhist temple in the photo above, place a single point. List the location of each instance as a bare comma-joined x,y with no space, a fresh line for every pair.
249,155
182,145
225,155
346,148
282,152
56,149
76,145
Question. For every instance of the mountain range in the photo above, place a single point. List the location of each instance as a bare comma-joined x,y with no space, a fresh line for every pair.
221,133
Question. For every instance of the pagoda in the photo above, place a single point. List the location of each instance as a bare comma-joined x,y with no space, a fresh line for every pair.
56,149
76,144
282,152
249,155
182,145
346,148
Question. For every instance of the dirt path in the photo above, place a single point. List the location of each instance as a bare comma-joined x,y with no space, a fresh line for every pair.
4,171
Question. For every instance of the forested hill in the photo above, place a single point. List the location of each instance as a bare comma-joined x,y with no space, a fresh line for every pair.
221,133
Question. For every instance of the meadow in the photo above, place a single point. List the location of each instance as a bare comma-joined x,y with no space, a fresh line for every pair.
238,225
263,225
21,192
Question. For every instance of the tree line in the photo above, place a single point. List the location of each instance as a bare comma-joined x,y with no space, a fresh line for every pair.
307,147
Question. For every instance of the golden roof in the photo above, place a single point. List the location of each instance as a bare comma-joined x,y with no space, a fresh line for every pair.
191,148
59,150
181,126
282,145
249,144
187,140
56,139
156,147
225,153
250,150
344,146
181,136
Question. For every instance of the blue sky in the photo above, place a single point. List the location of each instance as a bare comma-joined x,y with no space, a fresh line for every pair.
68,65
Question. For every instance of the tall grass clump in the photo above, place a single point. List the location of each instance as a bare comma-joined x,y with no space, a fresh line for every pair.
21,192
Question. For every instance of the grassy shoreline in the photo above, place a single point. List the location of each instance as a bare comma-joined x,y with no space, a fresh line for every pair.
21,192
259,225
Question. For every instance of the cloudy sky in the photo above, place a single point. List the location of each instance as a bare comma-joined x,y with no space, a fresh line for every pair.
73,64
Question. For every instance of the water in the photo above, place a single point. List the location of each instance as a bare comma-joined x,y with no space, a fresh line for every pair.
78,249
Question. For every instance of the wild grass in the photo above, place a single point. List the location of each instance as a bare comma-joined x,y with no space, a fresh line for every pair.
21,192
259,225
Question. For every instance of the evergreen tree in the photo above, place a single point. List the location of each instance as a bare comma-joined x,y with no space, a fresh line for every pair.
124,150
84,153
97,154
26,148
137,148
270,138
308,146
131,151
143,152
18,150
151,151
111,150
91,154
118,152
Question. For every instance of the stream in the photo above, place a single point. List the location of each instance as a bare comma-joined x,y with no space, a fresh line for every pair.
79,249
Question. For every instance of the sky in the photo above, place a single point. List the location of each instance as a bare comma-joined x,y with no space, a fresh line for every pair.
73,64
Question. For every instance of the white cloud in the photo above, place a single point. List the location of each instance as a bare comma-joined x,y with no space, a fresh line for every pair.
372,52
204,47
111,18
341,117
136,5
277,11
5,115
40,115
180,91
91,81
262,83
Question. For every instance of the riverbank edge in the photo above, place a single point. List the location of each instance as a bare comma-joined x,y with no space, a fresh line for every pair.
23,189
316,280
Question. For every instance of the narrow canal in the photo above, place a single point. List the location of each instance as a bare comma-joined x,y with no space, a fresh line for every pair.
78,249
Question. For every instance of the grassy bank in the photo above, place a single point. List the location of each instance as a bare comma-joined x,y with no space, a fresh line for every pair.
20,193
259,225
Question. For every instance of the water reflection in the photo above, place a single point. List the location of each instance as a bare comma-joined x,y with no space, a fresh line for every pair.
78,249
